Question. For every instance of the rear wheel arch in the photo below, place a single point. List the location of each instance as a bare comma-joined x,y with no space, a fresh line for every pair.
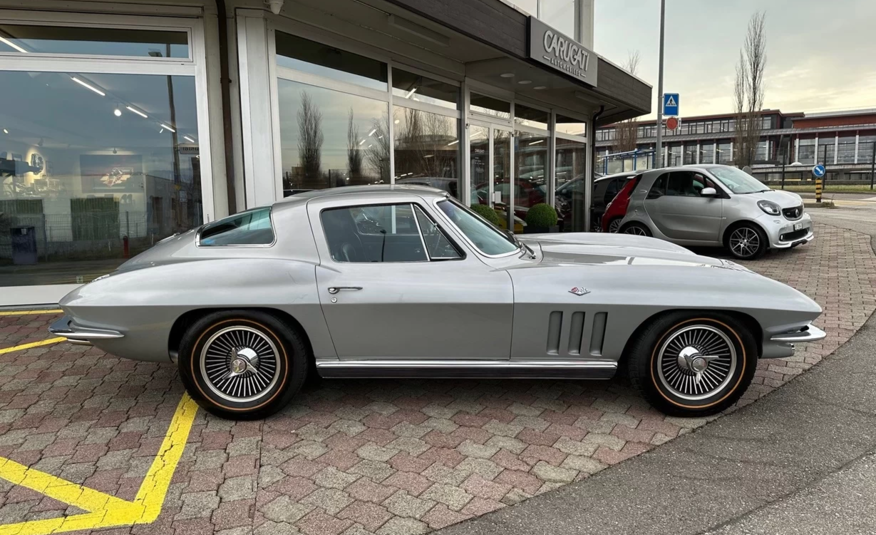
182,324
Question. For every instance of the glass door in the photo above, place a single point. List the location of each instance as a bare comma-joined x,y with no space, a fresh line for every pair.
491,160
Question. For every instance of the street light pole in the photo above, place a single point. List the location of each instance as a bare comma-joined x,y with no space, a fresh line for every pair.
659,153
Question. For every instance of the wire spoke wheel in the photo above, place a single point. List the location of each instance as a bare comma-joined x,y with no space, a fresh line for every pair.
744,242
696,362
240,364
614,226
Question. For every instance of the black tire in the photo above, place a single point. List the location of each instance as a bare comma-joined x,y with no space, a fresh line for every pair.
658,369
637,229
739,241
614,225
230,382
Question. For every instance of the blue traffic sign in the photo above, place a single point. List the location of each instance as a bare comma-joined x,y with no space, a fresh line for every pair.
818,171
670,104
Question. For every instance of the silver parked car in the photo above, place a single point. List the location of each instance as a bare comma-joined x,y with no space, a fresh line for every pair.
403,281
716,205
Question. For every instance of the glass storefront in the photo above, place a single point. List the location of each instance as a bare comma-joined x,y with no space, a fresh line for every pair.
572,191
95,167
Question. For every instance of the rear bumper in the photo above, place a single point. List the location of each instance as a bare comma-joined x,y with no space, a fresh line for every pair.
782,344
81,335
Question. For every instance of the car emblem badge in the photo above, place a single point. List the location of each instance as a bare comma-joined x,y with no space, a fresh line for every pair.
579,291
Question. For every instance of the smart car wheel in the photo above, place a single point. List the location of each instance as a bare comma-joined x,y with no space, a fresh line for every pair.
636,228
242,364
692,364
747,242
614,225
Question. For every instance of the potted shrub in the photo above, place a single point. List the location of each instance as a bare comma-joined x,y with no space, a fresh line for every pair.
541,218
487,212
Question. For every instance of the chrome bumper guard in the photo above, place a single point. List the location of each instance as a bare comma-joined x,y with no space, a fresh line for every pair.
809,333
81,335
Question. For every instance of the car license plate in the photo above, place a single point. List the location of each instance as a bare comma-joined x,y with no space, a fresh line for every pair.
798,226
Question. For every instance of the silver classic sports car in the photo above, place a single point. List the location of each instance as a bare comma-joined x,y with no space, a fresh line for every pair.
403,281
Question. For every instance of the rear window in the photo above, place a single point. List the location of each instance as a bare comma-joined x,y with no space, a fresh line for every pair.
246,228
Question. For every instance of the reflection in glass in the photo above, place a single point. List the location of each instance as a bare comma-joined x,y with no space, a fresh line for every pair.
27,39
707,152
489,106
560,14
568,125
531,117
501,179
725,152
530,164
330,139
426,149
88,181
316,58
412,86
479,144
572,191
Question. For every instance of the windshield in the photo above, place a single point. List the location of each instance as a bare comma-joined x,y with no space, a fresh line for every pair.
738,181
487,238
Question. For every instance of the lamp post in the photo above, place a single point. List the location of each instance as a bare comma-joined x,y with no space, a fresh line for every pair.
659,153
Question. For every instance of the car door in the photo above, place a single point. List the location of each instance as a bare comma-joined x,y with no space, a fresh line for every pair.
394,285
680,212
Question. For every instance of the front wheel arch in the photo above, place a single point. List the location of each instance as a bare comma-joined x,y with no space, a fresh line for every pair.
725,238
751,323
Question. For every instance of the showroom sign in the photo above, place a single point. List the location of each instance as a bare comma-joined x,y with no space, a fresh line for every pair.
551,47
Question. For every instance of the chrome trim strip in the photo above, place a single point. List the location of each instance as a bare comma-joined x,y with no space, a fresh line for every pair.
811,334
497,365
63,327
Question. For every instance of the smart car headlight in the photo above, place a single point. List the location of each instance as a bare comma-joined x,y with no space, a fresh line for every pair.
769,207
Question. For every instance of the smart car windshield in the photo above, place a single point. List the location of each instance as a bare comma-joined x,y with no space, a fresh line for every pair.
488,239
738,181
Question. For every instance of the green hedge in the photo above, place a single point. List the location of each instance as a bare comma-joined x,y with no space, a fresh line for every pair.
487,213
541,216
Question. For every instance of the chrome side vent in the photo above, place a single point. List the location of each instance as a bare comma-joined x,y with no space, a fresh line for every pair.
555,327
576,333
597,337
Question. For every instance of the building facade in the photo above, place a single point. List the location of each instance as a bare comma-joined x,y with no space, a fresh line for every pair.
125,122
844,141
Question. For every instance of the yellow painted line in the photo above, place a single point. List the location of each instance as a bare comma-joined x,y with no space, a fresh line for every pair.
105,511
22,347
28,312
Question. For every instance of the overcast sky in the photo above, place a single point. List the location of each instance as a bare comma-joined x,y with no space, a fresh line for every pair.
821,54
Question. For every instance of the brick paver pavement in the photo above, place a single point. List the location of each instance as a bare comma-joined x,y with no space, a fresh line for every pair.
358,457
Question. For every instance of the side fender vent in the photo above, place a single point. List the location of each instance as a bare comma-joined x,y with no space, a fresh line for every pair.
555,327
597,337
576,333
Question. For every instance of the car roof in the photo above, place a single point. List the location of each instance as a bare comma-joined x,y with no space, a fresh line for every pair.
390,190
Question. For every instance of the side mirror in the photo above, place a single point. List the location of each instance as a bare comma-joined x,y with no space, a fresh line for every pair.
708,192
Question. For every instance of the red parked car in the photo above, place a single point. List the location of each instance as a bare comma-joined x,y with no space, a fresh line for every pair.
617,208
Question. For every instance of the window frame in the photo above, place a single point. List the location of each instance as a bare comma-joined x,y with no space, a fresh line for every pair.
270,210
460,234
414,205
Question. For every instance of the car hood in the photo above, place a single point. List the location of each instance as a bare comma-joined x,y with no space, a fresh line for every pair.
615,249
785,199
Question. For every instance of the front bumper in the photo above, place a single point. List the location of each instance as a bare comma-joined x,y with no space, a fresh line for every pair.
81,335
782,233
782,344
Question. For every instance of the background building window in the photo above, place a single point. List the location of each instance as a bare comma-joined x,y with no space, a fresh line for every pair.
690,153
724,150
489,106
410,86
86,41
806,151
90,161
707,153
315,58
826,146
846,150
426,149
330,139
577,127
531,159
572,194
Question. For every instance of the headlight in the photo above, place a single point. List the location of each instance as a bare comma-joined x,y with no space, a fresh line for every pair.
769,207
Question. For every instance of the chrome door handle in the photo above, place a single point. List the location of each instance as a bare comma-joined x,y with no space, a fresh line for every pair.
335,289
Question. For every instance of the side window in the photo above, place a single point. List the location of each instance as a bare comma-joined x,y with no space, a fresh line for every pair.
376,233
658,189
612,190
681,184
246,228
438,245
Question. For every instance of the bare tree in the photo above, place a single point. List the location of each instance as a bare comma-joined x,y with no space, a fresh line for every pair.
749,92
354,155
627,132
310,140
423,144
